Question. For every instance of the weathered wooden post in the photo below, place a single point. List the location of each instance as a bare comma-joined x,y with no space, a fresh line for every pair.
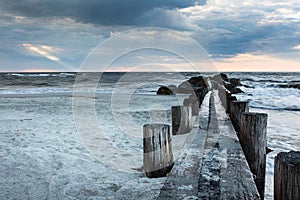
181,119
253,138
222,95
158,156
229,99
201,92
287,176
236,108
193,103
187,102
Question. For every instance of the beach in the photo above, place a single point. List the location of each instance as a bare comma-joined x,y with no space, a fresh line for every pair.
44,155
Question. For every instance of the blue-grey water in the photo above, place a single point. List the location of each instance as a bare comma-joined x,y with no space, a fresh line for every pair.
268,93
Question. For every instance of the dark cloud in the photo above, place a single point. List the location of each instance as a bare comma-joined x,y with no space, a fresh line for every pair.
172,19
105,12
233,36
222,30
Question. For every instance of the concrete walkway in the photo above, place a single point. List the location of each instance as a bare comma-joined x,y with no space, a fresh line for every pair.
213,165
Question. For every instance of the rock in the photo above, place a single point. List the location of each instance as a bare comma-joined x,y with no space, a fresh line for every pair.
232,89
192,85
235,82
201,92
217,79
185,87
237,90
224,76
198,81
163,90
173,88
228,86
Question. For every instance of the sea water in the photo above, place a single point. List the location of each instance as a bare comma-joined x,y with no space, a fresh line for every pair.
282,104
126,101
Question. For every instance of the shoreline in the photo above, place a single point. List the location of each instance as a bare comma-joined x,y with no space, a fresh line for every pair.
42,155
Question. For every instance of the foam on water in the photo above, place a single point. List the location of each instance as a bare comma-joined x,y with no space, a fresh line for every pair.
29,91
266,93
283,108
281,104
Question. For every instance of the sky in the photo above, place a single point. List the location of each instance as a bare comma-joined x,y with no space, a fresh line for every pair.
232,35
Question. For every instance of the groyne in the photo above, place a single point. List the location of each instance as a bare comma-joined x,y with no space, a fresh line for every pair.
225,152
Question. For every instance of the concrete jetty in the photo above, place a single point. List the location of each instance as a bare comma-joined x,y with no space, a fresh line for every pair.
212,164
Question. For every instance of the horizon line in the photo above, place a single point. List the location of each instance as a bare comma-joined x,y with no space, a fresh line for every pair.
27,72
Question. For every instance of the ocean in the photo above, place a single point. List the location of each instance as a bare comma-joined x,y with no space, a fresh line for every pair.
119,104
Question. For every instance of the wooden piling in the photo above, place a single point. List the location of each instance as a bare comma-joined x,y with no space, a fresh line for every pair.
158,156
193,103
253,138
236,108
287,176
201,92
181,119
187,102
229,99
222,94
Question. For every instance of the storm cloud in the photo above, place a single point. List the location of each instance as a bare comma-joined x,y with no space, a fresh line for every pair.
105,12
225,28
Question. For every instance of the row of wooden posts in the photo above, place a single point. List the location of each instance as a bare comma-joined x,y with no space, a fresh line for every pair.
252,132
158,156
